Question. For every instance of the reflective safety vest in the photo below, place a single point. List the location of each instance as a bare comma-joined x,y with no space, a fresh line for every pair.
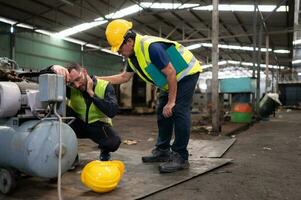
77,103
141,47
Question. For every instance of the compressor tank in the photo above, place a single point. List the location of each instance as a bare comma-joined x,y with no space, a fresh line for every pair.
33,147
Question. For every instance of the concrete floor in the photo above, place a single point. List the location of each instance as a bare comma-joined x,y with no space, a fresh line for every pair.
267,160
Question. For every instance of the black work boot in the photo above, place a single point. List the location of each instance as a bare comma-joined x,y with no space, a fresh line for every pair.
104,156
158,155
175,163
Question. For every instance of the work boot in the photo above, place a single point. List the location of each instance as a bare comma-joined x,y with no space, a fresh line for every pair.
158,155
104,156
175,163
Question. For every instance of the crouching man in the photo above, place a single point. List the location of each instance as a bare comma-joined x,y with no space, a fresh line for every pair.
93,103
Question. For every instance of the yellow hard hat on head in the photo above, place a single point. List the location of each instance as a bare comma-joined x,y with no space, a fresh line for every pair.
116,31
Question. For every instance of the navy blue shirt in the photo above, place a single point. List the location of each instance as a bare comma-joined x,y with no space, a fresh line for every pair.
157,54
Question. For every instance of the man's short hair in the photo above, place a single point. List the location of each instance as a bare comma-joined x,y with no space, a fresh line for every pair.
71,66
130,34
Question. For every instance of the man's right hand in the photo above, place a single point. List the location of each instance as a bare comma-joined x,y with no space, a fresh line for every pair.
62,71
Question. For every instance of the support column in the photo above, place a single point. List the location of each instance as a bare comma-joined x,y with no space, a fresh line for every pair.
12,43
266,62
258,67
297,41
215,55
254,47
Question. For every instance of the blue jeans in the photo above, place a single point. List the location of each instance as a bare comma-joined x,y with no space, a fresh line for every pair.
180,120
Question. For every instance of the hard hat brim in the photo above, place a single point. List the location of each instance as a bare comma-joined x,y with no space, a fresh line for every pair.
115,49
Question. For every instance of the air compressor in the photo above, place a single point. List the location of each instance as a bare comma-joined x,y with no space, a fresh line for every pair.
35,138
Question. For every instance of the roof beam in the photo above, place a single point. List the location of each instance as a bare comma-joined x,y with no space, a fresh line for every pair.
71,16
242,26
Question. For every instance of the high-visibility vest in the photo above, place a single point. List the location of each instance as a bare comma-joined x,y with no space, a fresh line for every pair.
141,47
77,103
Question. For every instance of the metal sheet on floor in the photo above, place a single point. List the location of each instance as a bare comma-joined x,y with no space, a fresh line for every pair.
209,148
138,181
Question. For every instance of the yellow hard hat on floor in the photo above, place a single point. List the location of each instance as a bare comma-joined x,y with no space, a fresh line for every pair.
116,31
101,176
120,165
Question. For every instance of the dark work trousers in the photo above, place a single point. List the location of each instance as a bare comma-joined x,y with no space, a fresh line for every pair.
180,120
101,133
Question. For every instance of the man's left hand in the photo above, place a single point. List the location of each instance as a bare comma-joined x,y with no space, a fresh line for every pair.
90,86
167,110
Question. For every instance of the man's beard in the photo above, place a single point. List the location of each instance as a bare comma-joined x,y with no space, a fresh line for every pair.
83,87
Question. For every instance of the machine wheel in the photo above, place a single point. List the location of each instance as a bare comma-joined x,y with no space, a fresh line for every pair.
7,180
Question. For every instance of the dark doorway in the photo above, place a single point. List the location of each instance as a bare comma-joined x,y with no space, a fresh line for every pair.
138,92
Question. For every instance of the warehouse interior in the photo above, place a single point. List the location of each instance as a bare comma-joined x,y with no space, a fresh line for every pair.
247,98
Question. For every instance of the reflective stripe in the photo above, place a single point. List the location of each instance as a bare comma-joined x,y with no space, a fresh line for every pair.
144,59
190,66
142,46
181,50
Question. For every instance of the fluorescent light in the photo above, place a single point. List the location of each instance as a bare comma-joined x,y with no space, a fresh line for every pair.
44,32
206,66
188,5
11,29
194,46
281,51
124,12
92,46
7,21
296,62
299,73
109,51
247,63
98,21
223,62
206,44
243,8
25,26
162,5
234,62
295,42
235,47
167,5
78,28
74,40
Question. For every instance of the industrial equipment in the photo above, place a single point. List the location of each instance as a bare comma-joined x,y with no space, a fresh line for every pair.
33,138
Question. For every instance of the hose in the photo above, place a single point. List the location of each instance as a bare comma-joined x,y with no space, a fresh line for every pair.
59,181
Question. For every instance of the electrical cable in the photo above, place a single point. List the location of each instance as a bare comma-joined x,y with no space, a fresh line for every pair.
59,190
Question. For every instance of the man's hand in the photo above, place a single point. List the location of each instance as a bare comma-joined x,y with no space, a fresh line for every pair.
167,110
89,86
62,71
170,74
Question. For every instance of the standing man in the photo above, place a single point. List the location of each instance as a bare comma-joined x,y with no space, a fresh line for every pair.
93,103
172,68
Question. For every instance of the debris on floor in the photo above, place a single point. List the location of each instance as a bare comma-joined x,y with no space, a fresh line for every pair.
130,142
